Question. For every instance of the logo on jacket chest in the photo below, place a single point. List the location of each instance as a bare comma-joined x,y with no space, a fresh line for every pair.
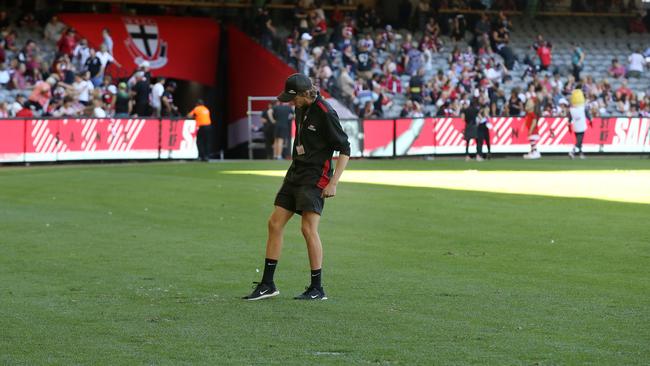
311,127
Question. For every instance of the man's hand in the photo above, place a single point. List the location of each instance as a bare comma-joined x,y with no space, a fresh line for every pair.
329,190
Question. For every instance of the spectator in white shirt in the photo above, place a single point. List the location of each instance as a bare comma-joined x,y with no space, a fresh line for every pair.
557,82
105,57
637,63
83,87
68,109
156,93
495,73
98,111
80,54
17,105
5,76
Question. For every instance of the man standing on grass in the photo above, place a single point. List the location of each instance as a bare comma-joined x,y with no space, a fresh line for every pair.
308,181
282,114
470,114
201,114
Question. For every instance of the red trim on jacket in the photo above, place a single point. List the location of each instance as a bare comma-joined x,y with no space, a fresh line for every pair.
321,106
324,178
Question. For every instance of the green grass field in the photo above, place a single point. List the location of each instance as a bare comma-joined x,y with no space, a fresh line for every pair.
144,264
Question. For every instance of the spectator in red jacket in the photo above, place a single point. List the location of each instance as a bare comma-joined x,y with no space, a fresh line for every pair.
544,52
624,90
68,42
392,84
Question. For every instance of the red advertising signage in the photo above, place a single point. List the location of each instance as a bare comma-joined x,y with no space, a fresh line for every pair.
420,136
12,140
177,47
96,139
178,139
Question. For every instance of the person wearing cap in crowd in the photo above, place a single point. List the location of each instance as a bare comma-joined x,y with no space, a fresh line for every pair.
144,67
308,181
141,90
108,99
303,53
168,108
201,114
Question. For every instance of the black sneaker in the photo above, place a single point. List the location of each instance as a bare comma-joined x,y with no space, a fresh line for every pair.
262,291
312,293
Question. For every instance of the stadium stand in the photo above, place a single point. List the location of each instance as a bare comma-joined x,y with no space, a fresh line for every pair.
431,65
438,65
51,71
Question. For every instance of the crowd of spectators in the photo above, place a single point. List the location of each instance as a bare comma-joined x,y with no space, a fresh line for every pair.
376,69
76,81
369,65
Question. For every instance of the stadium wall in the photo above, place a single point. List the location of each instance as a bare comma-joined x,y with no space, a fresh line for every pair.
252,71
49,140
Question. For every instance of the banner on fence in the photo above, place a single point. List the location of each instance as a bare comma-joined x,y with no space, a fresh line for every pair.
44,140
178,139
422,136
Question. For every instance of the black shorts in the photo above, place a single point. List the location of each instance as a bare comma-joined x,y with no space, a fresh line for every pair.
282,131
299,198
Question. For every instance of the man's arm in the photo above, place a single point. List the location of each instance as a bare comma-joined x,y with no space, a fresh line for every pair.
330,189
339,140
166,103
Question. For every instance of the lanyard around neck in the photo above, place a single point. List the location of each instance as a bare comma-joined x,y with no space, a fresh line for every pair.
300,124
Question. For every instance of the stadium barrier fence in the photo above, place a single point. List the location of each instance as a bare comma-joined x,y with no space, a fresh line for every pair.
440,136
67,139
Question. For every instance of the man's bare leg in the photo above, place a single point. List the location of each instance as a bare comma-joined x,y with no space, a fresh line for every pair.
277,148
277,222
266,288
309,227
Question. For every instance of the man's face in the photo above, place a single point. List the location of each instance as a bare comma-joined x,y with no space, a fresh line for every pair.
300,101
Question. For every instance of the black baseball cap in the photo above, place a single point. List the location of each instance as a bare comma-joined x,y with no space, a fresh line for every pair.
295,84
